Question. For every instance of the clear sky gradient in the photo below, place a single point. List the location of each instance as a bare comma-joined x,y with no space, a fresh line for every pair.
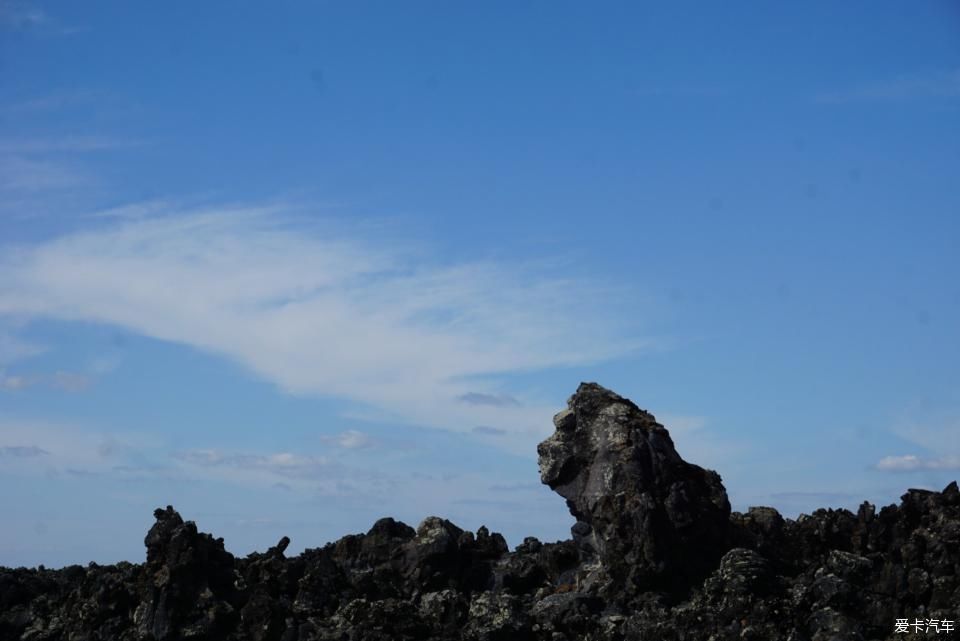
294,266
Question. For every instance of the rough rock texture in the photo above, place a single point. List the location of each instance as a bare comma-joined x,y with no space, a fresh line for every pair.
652,520
656,555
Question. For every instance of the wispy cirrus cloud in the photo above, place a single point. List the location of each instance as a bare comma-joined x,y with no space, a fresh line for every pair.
936,434
933,84
62,447
326,311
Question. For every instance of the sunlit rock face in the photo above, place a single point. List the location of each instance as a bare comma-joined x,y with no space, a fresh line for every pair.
652,520
656,555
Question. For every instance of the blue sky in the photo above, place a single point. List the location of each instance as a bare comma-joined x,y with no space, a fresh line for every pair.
295,266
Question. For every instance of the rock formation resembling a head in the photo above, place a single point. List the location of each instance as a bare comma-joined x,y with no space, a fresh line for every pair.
648,519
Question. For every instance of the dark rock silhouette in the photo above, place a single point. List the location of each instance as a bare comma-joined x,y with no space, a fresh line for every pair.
655,555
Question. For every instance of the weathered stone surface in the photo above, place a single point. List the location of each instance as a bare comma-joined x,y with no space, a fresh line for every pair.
653,520
188,588
655,556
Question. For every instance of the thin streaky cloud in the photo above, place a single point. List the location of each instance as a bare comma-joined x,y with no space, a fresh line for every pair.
69,144
285,463
938,84
486,430
22,451
678,91
496,400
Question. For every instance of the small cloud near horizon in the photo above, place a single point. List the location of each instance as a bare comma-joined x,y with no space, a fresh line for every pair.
493,400
350,440
911,463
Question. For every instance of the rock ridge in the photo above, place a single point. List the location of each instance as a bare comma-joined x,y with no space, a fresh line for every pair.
655,554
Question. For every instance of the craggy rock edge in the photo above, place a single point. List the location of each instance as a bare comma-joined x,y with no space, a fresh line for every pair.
656,554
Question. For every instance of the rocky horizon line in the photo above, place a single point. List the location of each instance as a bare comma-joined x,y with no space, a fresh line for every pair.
655,553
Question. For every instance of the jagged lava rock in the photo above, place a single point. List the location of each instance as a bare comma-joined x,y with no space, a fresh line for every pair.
188,589
654,521
655,556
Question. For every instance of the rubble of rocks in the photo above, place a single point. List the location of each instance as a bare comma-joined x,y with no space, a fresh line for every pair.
656,555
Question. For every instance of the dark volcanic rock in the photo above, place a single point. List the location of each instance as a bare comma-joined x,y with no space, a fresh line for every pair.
656,555
653,520
187,589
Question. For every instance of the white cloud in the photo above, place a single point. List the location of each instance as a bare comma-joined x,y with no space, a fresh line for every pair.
319,311
350,440
910,463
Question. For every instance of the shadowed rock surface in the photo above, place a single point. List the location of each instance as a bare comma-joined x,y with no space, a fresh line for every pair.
656,554
646,518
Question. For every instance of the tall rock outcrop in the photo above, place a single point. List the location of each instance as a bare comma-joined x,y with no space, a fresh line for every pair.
188,587
647,518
